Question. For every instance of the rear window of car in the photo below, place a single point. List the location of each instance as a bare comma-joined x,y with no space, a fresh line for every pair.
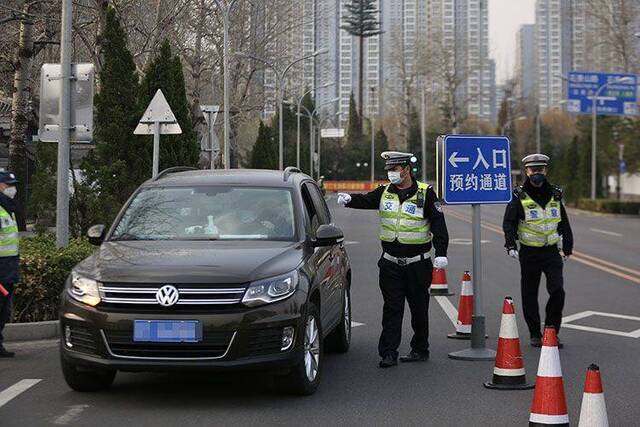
208,213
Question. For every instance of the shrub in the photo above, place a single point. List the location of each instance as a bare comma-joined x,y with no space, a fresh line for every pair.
43,270
610,206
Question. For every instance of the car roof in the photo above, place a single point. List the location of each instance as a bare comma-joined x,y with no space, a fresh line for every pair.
248,177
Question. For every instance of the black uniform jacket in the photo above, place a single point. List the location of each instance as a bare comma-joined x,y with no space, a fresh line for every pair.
541,195
432,212
8,265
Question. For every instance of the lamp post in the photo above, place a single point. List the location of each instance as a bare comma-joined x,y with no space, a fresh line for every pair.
594,129
310,115
319,125
373,138
225,7
280,76
298,115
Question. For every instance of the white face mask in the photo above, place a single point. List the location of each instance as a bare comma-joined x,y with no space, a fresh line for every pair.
10,192
394,177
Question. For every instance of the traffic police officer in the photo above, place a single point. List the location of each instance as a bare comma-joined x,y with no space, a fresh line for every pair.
8,249
411,220
537,218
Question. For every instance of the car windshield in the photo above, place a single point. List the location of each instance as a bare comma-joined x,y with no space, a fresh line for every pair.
208,213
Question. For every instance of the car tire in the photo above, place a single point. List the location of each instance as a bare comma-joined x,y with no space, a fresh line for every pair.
299,381
86,379
339,339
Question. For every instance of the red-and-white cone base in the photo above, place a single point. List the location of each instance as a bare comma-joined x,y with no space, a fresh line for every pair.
465,310
549,406
593,412
439,285
508,373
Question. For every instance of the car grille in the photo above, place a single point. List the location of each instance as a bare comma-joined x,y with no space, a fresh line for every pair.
213,345
264,341
191,295
82,340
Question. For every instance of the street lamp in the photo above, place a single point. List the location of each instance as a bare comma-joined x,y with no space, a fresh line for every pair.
319,125
280,75
225,7
326,85
310,115
594,134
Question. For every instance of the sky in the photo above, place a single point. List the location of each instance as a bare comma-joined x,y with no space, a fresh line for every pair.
505,17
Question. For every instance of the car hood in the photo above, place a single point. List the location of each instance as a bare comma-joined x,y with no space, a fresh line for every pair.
190,262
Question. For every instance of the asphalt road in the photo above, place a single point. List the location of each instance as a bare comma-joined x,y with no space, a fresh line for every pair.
603,277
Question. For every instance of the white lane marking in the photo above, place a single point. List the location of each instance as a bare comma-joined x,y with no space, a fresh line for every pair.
70,415
356,324
448,308
566,323
466,242
16,389
351,242
609,233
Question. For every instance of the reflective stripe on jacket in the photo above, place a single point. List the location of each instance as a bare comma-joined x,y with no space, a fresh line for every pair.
540,225
8,234
404,222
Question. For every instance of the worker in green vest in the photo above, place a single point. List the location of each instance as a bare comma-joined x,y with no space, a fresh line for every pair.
537,219
411,220
8,250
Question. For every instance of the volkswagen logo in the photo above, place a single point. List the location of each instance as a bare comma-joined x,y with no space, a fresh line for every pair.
167,295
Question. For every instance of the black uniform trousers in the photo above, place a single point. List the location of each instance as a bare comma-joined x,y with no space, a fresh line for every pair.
533,262
397,283
5,307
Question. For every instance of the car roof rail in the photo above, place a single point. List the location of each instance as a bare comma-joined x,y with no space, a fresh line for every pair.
174,169
289,170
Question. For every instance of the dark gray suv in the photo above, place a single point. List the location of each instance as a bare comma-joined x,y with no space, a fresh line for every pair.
210,270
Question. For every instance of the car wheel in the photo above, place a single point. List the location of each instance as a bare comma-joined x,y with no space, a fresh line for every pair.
86,379
305,377
340,339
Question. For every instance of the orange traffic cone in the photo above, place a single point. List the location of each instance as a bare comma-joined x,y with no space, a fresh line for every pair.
465,310
593,412
3,291
508,373
439,285
549,404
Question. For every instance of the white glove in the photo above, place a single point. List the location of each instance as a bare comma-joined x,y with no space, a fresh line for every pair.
343,199
513,253
440,262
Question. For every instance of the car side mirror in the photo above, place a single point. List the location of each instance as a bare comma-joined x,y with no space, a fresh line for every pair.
328,235
96,233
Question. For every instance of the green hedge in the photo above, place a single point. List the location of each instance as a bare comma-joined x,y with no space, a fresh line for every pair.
610,206
43,270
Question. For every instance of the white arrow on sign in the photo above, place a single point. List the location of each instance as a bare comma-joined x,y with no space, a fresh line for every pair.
455,160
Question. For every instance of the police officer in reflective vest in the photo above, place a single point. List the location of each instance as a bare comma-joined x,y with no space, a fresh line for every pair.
537,219
8,250
411,220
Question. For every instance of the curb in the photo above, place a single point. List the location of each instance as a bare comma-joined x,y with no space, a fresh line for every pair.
32,331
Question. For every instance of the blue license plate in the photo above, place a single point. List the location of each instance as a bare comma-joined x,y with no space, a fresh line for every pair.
167,331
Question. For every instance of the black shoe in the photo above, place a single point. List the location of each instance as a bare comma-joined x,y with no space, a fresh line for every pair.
414,356
536,342
5,353
560,345
388,361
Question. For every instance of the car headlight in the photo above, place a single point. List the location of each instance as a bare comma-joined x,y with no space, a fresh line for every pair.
271,290
83,289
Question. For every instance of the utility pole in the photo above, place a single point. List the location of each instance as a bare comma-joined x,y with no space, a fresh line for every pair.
423,134
373,136
62,195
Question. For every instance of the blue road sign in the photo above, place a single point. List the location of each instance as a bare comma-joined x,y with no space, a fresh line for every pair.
615,100
477,170
622,165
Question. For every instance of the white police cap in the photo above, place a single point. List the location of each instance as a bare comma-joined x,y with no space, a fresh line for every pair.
535,160
394,158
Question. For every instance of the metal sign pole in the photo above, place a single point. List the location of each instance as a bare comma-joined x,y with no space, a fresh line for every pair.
211,142
156,149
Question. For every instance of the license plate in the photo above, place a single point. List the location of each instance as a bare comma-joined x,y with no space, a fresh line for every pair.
167,331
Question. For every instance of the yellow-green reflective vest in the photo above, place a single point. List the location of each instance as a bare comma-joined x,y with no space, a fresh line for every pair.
8,234
540,225
404,222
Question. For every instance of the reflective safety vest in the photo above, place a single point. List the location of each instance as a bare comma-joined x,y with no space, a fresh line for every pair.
8,234
540,225
404,222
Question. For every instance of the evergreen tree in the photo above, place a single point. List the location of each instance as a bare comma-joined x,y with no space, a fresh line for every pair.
354,151
361,20
42,200
264,154
382,145
119,163
165,73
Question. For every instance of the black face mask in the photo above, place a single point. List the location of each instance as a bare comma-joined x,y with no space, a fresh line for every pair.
537,179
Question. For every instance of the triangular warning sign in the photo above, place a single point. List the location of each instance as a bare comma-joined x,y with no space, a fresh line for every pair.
158,110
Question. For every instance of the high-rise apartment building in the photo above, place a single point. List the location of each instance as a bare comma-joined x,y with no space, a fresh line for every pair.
525,72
